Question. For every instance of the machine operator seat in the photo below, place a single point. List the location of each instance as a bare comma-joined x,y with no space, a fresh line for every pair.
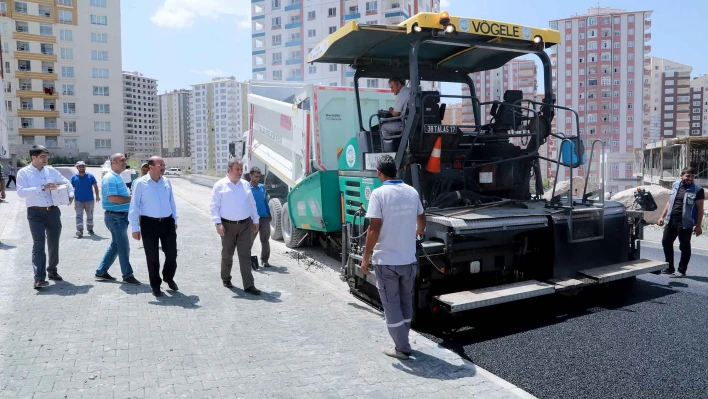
506,116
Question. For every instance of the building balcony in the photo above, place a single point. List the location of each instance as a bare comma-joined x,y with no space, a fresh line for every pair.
396,15
294,61
38,132
647,49
35,94
293,43
42,19
32,37
647,23
30,113
293,6
35,56
647,37
293,25
350,16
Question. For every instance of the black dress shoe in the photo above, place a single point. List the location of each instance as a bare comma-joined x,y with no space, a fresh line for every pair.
253,290
157,292
173,285
228,284
55,277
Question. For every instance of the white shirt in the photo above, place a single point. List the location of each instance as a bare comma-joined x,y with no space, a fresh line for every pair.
127,175
398,205
30,182
402,100
233,201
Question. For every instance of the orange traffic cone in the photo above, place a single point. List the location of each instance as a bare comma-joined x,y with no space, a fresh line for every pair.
434,161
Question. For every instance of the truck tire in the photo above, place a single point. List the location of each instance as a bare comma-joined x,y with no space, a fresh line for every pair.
276,223
291,234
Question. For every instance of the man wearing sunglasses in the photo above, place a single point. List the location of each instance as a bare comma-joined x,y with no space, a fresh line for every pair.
683,214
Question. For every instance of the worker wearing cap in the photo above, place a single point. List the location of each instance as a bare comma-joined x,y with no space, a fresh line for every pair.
144,169
397,216
84,199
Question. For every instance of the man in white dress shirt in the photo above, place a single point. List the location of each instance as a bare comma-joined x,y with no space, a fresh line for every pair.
234,212
34,183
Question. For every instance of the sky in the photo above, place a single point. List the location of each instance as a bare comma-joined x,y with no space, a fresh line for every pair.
185,42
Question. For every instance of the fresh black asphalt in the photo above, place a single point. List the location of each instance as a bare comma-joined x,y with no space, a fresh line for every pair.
647,338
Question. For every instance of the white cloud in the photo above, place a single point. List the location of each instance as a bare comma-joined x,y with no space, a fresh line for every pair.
444,4
209,72
183,13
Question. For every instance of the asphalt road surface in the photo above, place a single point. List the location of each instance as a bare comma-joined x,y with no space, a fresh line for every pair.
647,338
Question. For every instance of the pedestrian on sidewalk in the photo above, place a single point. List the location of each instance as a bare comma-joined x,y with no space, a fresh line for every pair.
259,195
127,176
397,216
683,214
116,203
2,183
154,217
35,183
84,199
144,169
234,212
11,175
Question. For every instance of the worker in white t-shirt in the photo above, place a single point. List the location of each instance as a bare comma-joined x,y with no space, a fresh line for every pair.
127,176
397,216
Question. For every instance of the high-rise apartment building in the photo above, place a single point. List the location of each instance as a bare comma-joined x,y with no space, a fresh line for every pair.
699,106
62,67
142,116
285,31
668,82
600,72
4,140
219,115
518,74
175,125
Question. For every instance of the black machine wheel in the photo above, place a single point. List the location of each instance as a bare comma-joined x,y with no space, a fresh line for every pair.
276,223
291,234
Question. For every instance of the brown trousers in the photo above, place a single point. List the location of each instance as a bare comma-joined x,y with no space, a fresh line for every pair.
264,232
237,238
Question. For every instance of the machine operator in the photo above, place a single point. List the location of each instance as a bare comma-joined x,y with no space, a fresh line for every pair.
402,92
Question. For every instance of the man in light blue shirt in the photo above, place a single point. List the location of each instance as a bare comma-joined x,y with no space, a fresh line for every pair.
154,217
259,195
116,203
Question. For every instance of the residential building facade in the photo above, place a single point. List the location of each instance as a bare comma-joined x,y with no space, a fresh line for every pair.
4,139
600,73
219,116
142,116
285,31
62,67
666,80
699,106
175,125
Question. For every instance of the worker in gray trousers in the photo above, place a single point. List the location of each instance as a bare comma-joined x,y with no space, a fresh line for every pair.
396,216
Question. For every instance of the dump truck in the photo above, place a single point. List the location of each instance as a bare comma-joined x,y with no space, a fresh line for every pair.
491,237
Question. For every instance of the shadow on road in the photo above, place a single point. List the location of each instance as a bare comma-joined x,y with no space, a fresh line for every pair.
176,298
6,247
133,289
264,296
365,308
273,269
426,366
517,317
700,279
64,288
96,237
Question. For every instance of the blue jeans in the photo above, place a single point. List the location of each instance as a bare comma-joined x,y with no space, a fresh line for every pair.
120,245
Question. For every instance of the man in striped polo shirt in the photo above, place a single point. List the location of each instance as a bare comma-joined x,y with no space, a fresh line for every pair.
116,203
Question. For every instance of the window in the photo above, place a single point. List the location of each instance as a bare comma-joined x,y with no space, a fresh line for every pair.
372,83
310,15
592,21
20,8
70,126
277,58
630,69
66,35
70,108
98,3
276,22
277,40
67,72
592,45
617,45
8,106
100,73
46,30
103,144
630,44
568,36
27,123
102,91
311,33
371,6
97,55
275,4
630,18
99,19
102,126
668,124
277,75
66,17
67,53
312,69
67,90
99,37
332,29
66,2
101,108
332,12
333,67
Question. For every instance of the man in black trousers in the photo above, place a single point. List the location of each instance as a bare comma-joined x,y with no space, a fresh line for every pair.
153,216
